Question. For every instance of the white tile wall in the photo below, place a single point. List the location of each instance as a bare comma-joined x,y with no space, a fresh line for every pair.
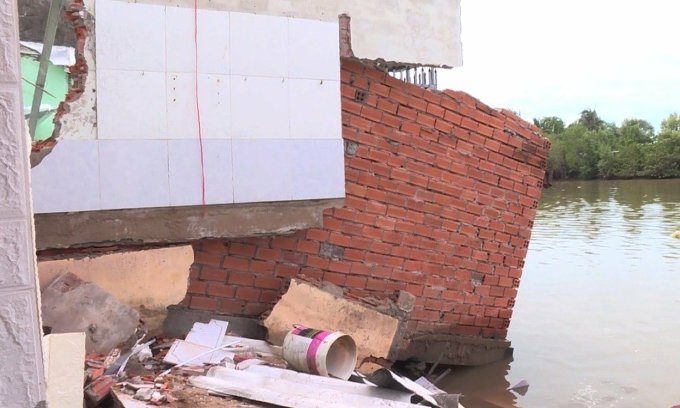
67,179
213,41
262,170
131,104
312,54
214,98
259,45
259,107
130,36
185,172
318,170
270,105
315,110
133,173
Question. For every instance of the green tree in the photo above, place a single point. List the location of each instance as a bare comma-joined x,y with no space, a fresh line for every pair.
550,124
590,119
636,131
663,157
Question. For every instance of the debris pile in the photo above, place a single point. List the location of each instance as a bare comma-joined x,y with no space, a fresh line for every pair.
301,367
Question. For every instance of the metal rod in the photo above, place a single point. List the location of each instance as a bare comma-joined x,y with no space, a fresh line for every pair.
441,376
435,365
48,41
34,85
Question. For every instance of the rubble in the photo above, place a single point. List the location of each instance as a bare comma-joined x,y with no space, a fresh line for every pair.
72,305
308,368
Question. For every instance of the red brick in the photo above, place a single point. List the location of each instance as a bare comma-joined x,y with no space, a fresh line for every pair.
205,258
284,243
248,293
267,282
213,274
287,271
242,249
197,287
221,290
233,263
203,303
230,306
268,254
241,278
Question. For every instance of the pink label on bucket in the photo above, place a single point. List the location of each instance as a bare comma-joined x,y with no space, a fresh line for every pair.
314,348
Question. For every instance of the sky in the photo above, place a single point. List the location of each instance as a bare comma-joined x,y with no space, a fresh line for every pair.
559,57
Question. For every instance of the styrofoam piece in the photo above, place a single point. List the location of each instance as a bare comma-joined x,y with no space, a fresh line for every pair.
259,346
182,351
292,389
206,334
222,323
64,355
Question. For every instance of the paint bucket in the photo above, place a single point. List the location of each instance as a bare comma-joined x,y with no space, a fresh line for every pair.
321,352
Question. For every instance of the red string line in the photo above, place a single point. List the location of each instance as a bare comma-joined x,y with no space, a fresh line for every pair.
198,105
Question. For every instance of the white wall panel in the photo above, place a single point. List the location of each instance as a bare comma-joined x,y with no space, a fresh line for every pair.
263,170
130,36
133,173
214,99
269,97
310,55
315,110
131,105
67,179
213,40
318,168
185,172
259,107
259,45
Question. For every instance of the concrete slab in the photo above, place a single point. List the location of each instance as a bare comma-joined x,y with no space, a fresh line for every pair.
72,305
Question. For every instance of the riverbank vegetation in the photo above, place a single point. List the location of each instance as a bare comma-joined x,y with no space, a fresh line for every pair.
592,148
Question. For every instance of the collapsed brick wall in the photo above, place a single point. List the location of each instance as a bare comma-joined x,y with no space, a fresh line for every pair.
441,195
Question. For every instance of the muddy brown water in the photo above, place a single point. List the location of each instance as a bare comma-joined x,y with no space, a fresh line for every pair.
597,318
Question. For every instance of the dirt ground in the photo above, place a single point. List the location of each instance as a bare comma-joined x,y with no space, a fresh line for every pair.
191,397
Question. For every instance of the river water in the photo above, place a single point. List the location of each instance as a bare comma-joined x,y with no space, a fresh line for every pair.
597,317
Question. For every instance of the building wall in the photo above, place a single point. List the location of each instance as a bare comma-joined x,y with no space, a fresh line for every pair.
442,192
151,279
22,382
406,31
269,95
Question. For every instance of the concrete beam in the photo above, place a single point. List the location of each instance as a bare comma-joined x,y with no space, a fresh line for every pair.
176,224
455,350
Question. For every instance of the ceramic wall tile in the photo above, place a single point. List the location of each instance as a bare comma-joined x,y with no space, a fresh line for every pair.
133,173
314,49
262,170
130,36
258,45
131,105
315,110
67,179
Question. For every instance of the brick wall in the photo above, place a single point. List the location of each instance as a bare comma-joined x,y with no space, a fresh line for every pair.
441,195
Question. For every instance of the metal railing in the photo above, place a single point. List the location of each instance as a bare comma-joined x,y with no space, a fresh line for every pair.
425,77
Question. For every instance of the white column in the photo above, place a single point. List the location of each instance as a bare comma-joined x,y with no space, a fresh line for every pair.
22,381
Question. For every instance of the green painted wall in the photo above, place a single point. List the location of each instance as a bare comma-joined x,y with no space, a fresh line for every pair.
56,84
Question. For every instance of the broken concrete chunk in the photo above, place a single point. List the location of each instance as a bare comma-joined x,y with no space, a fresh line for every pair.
375,333
72,305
